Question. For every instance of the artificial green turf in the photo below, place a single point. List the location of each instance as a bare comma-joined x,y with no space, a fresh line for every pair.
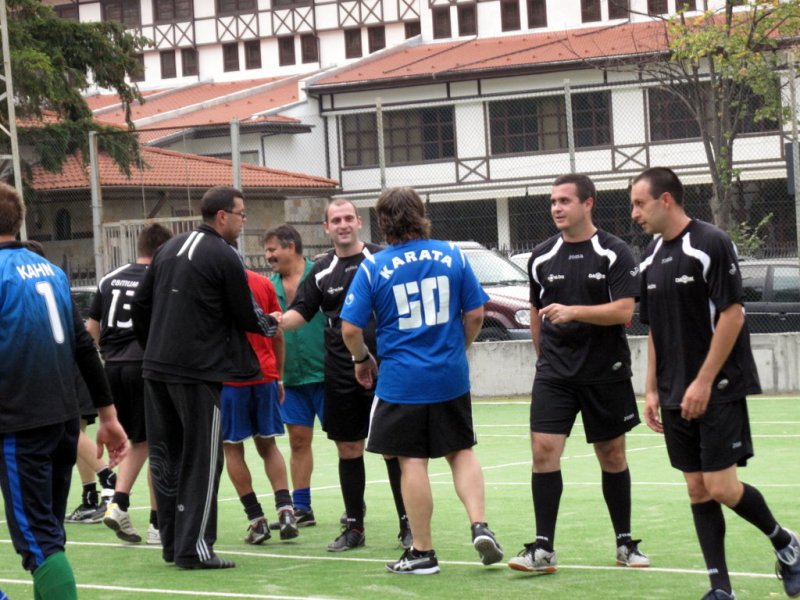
303,568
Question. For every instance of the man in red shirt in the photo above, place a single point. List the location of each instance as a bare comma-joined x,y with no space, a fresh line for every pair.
251,409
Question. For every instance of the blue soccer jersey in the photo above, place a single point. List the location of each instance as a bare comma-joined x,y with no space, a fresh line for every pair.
37,342
418,291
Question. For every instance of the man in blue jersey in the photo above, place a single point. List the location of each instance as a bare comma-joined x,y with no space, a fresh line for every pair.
39,412
584,286
700,368
428,306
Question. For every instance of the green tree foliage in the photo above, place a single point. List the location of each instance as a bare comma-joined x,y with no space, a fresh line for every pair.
726,67
54,61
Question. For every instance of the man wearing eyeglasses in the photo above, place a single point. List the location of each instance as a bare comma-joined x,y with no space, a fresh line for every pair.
190,313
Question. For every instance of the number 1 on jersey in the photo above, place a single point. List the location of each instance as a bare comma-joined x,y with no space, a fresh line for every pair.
44,289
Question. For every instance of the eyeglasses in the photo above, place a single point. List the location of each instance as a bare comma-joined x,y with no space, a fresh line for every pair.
238,214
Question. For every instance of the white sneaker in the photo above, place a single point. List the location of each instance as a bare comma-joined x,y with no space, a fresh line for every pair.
629,555
533,559
118,520
153,536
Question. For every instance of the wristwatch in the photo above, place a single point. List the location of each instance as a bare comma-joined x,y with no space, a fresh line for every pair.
361,360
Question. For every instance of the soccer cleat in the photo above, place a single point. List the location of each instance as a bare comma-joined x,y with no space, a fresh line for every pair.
153,536
347,540
304,518
118,520
288,523
411,563
718,595
214,562
629,555
87,513
787,568
534,560
484,542
257,531
405,537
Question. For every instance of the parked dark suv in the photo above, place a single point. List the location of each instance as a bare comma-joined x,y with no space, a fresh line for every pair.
771,296
508,313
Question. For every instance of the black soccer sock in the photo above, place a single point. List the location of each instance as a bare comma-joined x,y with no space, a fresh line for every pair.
353,481
753,508
252,507
709,522
123,500
89,494
546,489
107,478
617,494
393,468
154,518
282,499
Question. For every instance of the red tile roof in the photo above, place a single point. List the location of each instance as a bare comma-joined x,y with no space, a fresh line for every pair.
436,60
165,168
207,101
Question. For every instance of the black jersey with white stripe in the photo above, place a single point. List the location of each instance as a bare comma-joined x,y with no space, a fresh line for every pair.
596,271
686,283
111,307
324,289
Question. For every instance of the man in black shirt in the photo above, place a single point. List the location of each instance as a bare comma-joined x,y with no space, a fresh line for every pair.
190,313
111,327
700,369
347,404
584,286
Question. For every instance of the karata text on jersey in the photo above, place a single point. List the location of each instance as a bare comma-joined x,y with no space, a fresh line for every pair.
414,256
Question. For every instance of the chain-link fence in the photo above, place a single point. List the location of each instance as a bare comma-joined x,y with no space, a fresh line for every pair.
483,161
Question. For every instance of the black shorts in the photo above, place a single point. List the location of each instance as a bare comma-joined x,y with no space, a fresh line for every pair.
127,388
87,407
608,409
717,440
346,410
421,430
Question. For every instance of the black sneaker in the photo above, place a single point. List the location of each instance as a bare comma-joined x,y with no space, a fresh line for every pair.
257,532
787,567
485,543
288,524
347,540
304,518
412,563
718,595
87,513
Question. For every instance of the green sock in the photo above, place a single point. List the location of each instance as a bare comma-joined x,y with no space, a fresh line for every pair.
54,580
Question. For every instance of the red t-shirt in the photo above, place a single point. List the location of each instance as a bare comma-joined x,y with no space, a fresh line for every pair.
264,293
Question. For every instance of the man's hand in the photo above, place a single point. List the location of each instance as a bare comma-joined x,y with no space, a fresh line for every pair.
558,314
695,400
366,372
652,412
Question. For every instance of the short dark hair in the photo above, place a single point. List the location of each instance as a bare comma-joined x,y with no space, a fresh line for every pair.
339,202
662,180
285,234
401,215
12,210
150,238
218,198
583,185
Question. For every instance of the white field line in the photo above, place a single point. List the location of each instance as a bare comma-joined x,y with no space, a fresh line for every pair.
173,592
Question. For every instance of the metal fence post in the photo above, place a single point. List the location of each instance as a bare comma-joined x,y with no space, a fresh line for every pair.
381,153
570,128
795,146
8,96
97,207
